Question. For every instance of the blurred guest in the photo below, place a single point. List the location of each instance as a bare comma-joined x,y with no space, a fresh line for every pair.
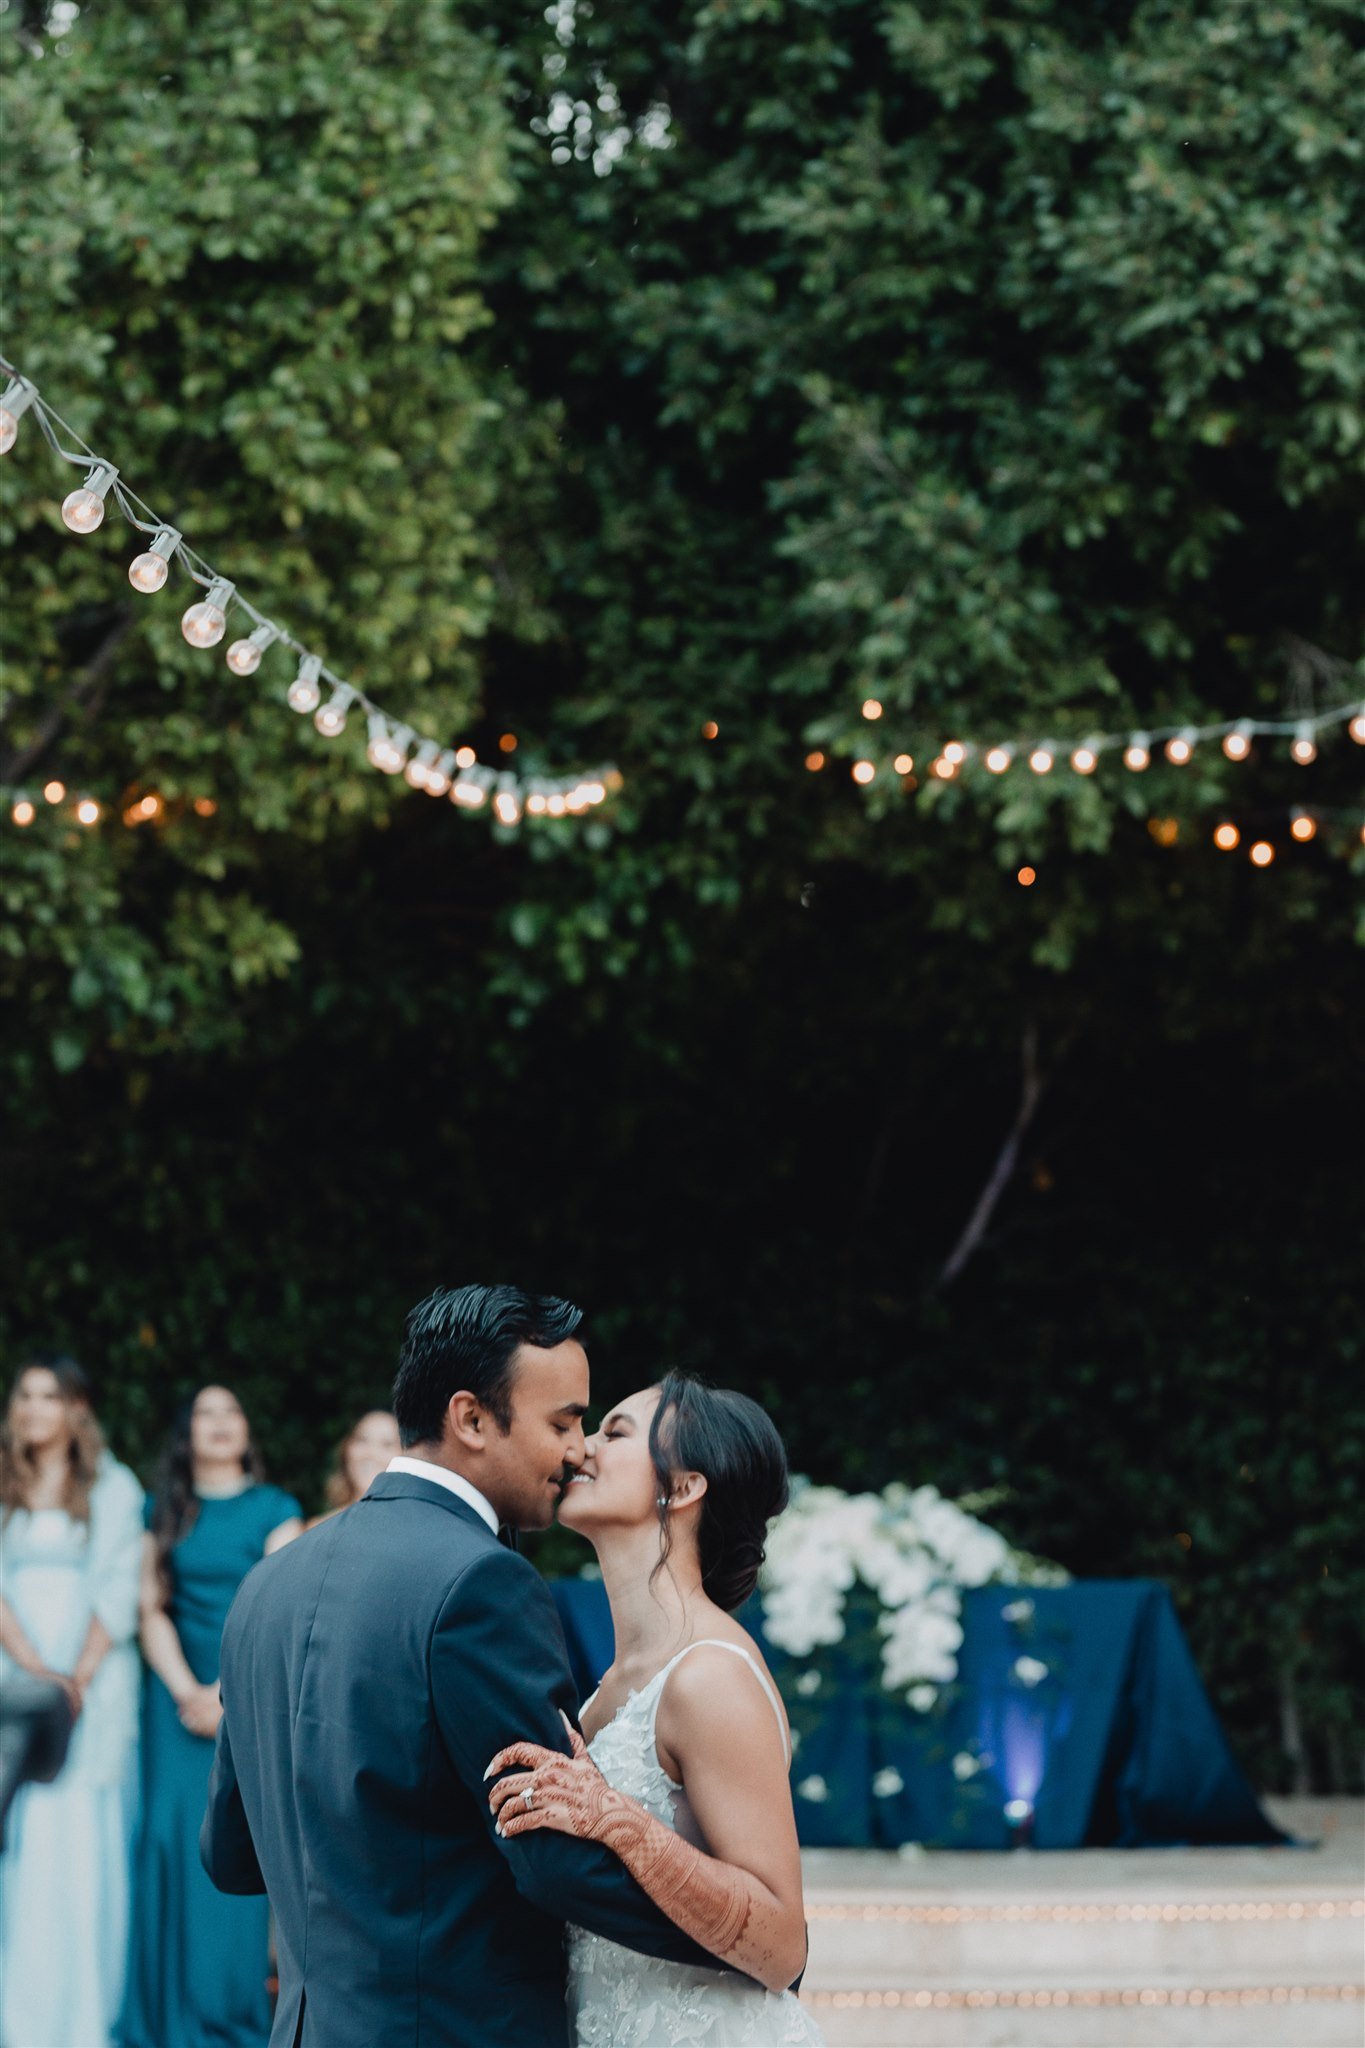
360,1457
69,1550
199,1959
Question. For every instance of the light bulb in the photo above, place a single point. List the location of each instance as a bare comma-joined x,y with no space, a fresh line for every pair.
54,791
1237,743
904,764
1305,747
955,753
330,720
944,768
88,811
596,792
1304,828
438,774
1040,760
386,749
148,571
18,397
871,708
417,774
205,623
1137,753
23,812
556,805
244,656
863,771
304,693
815,761
1357,728
1262,853
83,508
1180,748
465,757
1226,837
708,732
469,795
1086,759
998,759
535,804
1026,877
507,804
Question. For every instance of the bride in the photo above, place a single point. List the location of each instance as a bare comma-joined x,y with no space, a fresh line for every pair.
684,1770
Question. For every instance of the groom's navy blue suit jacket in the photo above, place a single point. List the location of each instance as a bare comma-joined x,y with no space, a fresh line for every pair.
370,1671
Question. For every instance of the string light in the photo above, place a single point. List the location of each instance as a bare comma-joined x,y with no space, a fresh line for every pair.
507,804
1357,728
1226,837
83,508
708,732
1262,853
871,708
1026,877
23,812
148,571
244,656
386,750
18,396
944,768
955,753
863,771
1237,743
1137,754
815,761
904,764
1305,747
469,794
205,623
1040,760
54,791
417,774
1303,827
88,811
998,759
1085,759
1180,748
304,693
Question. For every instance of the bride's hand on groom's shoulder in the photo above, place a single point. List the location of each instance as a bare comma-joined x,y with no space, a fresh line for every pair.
551,1790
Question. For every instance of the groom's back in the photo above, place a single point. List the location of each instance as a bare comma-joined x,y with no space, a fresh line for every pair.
396,1918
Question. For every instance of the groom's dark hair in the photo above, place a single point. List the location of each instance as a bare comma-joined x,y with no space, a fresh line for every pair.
463,1339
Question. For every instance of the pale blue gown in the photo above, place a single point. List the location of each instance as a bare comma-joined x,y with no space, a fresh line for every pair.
65,1875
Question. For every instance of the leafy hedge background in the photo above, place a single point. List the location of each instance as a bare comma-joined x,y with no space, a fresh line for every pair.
596,375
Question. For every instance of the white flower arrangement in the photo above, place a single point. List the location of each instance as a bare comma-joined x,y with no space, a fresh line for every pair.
916,1551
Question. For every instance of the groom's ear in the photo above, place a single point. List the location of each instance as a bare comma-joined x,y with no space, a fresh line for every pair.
465,1421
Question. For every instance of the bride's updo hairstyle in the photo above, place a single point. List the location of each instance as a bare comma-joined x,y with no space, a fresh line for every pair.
731,1442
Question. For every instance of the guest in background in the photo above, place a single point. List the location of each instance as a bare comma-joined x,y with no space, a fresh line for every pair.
199,1959
69,1555
360,1457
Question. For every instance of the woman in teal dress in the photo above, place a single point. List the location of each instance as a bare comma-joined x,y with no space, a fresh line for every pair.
197,1975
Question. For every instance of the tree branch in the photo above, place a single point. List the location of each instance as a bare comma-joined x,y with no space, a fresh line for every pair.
1031,1094
83,695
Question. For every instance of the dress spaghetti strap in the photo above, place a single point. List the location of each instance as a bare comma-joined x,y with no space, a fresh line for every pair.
737,1650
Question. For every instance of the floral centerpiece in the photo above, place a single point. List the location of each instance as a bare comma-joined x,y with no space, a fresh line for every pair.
914,1551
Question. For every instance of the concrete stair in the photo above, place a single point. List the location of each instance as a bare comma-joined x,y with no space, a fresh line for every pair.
1206,1948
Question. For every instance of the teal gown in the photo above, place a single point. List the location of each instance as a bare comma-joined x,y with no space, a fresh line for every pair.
197,1972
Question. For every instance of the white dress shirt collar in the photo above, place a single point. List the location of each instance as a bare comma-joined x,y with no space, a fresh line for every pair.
420,1468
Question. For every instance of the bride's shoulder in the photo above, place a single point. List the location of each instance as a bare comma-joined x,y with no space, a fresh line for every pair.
720,1681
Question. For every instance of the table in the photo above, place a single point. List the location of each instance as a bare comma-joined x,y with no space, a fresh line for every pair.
1116,1744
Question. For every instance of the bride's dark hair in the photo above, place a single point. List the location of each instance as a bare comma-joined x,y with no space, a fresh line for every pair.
728,1439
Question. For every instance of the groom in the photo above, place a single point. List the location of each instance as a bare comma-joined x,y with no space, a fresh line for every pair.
371,1669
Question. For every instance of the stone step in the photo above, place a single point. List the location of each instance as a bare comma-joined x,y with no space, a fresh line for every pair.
1256,1948
866,1943
1256,2016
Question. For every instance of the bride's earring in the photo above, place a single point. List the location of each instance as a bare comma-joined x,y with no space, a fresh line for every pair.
662,1501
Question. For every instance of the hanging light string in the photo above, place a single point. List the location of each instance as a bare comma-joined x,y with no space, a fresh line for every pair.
1177,743
318,691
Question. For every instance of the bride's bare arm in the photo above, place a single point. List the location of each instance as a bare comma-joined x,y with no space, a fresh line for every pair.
717,1731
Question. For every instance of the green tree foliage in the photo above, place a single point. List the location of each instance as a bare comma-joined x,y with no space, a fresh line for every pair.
599,375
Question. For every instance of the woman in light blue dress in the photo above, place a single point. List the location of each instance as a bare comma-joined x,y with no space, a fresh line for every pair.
200,1959
69,1563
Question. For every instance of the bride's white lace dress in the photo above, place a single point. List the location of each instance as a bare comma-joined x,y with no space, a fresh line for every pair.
618,1999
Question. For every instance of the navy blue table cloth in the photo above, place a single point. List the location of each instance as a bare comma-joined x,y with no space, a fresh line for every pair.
1115,1743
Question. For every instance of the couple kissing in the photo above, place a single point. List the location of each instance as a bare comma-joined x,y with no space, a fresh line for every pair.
458,1853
